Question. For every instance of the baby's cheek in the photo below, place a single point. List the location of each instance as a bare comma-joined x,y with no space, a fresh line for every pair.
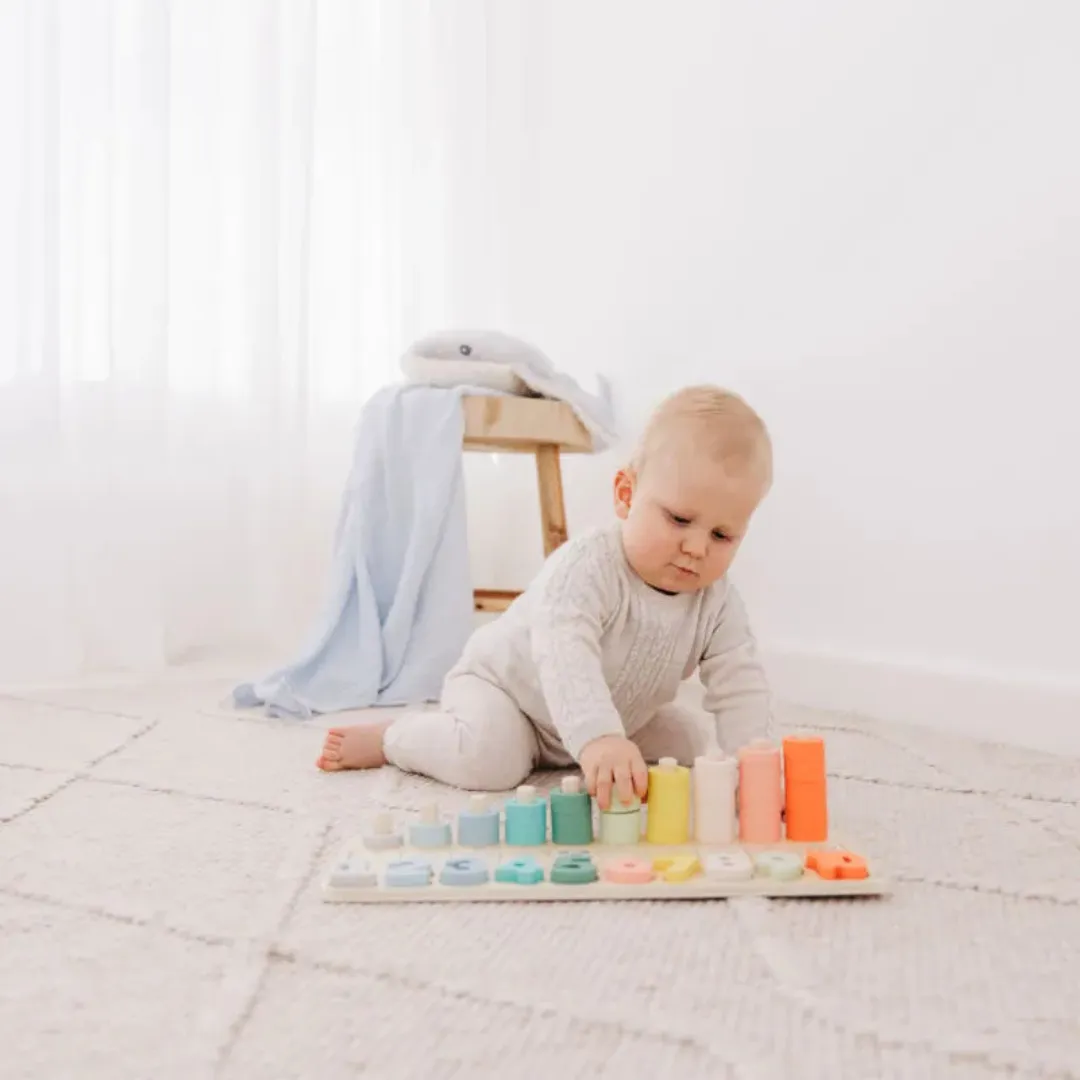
717,564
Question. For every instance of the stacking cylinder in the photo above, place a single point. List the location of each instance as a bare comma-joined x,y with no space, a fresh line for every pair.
526,818
668,819
478,824
430,831
714,782
806,812
761,796
381,834
571,813
621,822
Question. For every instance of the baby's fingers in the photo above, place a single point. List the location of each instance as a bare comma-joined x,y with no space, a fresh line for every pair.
590,779
623,784
603,787
640,774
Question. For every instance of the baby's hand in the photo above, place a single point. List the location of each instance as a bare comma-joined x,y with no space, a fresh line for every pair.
613,759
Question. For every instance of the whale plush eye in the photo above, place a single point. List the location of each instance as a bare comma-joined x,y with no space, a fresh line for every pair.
465,350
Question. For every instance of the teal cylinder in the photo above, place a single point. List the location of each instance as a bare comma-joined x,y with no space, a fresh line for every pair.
571,814
526,819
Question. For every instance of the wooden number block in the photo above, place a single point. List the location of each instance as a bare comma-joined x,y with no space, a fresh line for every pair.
833,865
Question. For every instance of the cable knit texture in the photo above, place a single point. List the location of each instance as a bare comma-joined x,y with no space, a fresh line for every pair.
160,916
589,649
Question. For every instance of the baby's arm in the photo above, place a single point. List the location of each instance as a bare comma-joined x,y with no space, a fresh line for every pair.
736,689
568,620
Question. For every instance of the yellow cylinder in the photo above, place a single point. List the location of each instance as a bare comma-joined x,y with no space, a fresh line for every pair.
668,818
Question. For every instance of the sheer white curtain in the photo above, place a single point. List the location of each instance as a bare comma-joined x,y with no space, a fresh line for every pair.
220,221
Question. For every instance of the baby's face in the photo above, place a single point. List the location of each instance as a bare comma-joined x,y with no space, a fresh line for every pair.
683,520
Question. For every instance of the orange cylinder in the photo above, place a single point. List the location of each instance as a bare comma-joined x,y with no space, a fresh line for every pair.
760,793
805,789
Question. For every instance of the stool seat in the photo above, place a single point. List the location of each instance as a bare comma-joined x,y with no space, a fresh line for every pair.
523,425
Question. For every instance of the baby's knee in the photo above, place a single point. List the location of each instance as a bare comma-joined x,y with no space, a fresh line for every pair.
476,768
492,756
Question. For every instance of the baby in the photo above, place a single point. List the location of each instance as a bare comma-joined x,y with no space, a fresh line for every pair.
585,665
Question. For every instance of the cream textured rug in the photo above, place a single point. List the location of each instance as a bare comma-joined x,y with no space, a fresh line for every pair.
159,917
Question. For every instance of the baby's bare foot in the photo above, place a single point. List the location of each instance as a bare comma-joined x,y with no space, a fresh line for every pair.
359,746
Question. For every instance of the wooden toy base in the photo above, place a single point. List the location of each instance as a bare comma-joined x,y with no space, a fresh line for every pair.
698,887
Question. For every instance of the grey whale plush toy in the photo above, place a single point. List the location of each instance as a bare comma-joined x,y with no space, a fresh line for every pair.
499,362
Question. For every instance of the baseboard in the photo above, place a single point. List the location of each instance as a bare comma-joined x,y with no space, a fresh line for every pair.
1024,710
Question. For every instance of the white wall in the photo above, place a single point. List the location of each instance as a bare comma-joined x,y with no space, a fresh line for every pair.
866,218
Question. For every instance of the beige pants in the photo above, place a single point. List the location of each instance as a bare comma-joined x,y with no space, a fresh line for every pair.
479,740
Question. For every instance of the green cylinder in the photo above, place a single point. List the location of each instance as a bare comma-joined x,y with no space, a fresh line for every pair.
571,814
620,828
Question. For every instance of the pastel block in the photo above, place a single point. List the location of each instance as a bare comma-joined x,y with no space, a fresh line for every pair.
780,865
427,834
408,873
620,827
729,866
382,835
677,867
353,873
628,872
465,870
571,813
478,826
526,818
430,830
833,865
521,871
668,819
573,868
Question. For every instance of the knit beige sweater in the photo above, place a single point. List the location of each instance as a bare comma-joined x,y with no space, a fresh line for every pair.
590,649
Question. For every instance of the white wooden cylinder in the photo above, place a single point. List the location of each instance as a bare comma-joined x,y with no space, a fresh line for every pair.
714,780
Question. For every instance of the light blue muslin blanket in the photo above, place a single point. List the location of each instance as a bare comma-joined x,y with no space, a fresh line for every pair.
400,606
400,601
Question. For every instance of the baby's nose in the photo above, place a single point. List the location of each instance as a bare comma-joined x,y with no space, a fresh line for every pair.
694,545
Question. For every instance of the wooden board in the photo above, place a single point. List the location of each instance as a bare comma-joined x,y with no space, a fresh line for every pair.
699,887
507,424
494,601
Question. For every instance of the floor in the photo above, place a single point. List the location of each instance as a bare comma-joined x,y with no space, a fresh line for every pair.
160,917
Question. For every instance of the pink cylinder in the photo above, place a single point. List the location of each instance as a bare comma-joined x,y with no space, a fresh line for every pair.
761,793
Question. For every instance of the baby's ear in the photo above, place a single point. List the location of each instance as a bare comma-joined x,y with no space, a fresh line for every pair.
624,492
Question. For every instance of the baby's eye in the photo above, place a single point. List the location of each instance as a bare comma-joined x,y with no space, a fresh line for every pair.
718,535
679,520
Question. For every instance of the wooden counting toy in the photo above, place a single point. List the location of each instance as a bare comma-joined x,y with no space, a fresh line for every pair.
752,824
620,823
729,866
478,826
382,835
521,871
465,870
430,831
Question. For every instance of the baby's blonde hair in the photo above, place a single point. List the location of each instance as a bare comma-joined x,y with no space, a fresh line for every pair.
717,423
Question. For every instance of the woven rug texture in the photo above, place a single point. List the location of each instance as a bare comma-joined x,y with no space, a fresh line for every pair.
160,857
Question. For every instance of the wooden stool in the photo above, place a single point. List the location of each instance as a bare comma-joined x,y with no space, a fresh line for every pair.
521,425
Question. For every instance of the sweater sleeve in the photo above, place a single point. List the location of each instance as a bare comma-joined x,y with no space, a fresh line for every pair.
736,689
579,593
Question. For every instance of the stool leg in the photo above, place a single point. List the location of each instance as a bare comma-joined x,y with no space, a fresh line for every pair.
552,508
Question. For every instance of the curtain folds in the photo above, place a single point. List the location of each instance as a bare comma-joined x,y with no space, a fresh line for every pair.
221,223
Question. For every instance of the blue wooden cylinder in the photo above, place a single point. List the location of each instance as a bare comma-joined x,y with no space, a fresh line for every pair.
478,825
